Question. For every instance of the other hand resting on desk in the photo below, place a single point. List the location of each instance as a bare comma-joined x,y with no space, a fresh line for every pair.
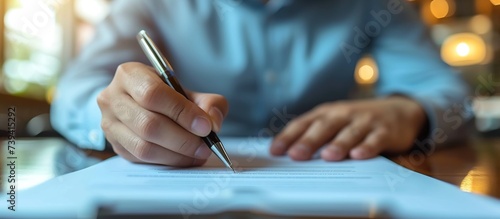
359,129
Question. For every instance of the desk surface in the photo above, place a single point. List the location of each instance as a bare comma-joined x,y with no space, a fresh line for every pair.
473,165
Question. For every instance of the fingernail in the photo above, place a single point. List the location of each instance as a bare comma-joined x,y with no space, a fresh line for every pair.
201,126
359,153
202,152
332,154
278,147
301,151
217,117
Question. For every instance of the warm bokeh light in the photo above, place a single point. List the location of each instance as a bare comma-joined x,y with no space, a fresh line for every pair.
480,24
464,49
476,181
440,8
366,71
495,2
432,11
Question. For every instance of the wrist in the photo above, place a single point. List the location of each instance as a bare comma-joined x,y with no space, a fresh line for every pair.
412,112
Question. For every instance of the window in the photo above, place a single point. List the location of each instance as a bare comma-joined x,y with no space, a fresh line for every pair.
33,37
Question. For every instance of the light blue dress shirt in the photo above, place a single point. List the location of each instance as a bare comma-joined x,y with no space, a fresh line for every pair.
271,61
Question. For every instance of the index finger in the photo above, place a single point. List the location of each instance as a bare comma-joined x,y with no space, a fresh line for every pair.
143,84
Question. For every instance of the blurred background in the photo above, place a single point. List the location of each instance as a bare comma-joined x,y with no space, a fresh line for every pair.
38,38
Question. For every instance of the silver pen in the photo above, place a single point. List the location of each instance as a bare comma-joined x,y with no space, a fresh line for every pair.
166,73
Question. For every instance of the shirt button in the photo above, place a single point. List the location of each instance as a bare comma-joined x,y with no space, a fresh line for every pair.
270,76
94,136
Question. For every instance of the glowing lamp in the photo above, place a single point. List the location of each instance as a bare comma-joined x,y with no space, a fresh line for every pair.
463,49
366,71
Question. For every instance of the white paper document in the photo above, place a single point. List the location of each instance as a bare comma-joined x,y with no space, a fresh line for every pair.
264,184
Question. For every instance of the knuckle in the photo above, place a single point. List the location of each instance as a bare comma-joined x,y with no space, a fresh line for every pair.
341,143
342,139
121,69
187,145
127,67
148,124
143,150
148,91
121,109
370,144
118,106
102,99
295,123
308,141
342,108
177,108
106,125
354,133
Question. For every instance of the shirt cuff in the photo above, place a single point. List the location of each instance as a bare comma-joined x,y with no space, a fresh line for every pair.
446,120
85,129
95,139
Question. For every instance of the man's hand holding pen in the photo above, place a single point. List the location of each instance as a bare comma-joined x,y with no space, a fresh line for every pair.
147,121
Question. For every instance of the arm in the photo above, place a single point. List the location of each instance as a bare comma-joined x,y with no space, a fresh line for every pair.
107,93
415,85
74,112
410,65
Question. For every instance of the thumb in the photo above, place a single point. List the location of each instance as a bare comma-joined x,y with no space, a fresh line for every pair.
214,105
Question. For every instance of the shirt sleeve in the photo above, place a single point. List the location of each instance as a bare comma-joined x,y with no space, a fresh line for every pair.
74,111
410,65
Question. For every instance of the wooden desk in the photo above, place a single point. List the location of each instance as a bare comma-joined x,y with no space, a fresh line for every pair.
473,165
